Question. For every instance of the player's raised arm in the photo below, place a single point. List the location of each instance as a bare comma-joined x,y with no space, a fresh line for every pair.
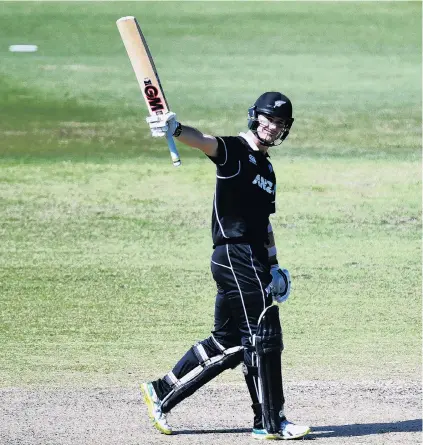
195,138
160,125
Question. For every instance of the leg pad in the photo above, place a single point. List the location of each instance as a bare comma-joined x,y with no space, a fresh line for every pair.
206,360
269,345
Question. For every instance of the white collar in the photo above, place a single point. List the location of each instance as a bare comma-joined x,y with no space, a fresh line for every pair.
250,141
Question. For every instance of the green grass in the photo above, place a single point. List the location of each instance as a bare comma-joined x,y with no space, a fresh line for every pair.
104,254
352,69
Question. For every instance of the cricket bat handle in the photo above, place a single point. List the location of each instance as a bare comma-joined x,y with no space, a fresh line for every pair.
173,150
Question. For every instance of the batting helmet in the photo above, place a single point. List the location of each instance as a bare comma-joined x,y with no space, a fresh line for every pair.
275,105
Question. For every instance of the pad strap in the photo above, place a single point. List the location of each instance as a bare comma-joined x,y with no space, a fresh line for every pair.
207,368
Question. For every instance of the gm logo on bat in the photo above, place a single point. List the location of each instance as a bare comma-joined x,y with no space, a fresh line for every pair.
151,94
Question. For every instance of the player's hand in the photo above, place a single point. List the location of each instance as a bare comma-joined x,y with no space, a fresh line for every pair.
160,124
280,287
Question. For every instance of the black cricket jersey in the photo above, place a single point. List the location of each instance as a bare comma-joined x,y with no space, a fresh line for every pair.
245,193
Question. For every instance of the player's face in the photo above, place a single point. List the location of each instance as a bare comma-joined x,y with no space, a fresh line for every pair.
270,128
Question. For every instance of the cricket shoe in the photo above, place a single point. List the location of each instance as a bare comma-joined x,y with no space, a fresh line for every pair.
288,431
157,416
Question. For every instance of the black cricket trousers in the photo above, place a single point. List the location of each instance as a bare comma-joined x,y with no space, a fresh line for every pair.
242,275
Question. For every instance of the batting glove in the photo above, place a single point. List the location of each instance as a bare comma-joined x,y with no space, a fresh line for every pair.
160,124
280,287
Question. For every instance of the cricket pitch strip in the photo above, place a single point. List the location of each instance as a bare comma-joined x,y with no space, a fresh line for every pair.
339,412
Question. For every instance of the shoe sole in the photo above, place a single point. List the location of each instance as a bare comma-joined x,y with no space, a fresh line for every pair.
278,437
150,407
266,436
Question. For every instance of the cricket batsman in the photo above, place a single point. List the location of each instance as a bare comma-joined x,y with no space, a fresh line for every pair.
245,268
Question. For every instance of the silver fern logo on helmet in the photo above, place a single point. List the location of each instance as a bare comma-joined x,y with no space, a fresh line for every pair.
279,103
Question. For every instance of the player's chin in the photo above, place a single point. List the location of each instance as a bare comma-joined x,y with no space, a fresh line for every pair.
270,137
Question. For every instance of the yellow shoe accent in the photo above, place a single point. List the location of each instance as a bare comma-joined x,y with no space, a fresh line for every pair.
158,418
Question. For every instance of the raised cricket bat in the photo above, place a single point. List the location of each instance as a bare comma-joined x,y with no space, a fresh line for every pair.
146,73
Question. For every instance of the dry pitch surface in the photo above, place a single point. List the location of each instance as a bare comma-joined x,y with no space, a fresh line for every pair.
368,412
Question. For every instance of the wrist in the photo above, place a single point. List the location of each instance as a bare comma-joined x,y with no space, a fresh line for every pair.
273,261
178,129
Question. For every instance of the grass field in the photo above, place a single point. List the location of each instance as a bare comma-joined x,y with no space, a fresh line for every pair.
104,254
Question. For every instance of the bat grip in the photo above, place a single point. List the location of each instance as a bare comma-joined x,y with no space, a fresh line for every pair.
173,150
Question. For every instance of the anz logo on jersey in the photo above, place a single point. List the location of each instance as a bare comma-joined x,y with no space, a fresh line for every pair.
265,184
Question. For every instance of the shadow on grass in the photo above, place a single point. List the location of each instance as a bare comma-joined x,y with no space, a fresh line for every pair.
355,429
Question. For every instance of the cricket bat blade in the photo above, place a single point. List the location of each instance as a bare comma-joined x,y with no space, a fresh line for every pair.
145,71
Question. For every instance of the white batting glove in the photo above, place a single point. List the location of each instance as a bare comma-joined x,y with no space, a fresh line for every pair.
160,124
280,287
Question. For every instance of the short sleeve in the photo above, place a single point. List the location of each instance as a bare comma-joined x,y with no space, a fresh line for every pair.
228,155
